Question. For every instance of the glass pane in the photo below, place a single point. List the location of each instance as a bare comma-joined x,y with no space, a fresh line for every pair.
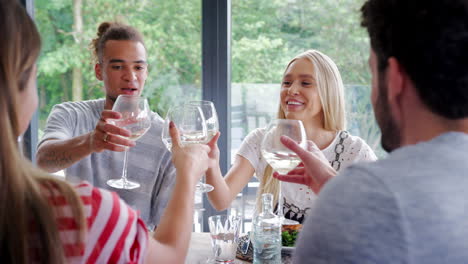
172,34
267,34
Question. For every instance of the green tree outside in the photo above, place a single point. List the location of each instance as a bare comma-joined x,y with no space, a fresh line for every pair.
266,34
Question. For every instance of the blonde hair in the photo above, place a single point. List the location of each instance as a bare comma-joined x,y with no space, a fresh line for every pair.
331,92
27,219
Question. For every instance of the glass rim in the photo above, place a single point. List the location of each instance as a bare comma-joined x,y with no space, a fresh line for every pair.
130,96
175,107
234,217
276,120
200,102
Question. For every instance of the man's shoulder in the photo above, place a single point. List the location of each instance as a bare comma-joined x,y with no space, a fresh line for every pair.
413,163
89,106
157,121
398,191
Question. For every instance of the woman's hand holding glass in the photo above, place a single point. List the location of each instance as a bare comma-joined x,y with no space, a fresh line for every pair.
212,128
191,159
214,152
198,124
190,122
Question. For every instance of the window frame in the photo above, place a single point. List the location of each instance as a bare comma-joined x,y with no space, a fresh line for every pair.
216,79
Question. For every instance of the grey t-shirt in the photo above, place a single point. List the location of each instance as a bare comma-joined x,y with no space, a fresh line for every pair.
149,162
411,207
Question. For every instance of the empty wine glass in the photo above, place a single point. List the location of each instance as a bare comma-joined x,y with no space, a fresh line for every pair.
212,127
136,118
280,158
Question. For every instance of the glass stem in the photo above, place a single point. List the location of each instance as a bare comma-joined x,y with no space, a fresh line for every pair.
124,170
280,200
202,180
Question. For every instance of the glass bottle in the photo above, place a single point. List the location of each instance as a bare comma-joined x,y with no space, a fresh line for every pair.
267,234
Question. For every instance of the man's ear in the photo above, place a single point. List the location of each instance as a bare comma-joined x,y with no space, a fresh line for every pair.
396,81
98,71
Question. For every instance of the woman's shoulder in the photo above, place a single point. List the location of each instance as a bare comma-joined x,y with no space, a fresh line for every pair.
114,231
353,140
97,197
356,146
109,216
100,203
255,136
257,132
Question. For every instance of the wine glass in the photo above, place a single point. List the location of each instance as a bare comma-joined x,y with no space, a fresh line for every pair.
212,127
280,158
136,118
191,123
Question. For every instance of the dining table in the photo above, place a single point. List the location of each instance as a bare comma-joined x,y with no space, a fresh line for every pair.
200,251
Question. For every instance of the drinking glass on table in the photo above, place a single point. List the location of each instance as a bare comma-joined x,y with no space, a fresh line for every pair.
224,231
212,127
280,158
136,118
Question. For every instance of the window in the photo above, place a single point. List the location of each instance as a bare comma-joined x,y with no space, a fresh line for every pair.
266,35
172,32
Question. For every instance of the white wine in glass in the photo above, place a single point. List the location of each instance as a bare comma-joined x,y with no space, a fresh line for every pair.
280,158
190,122
281,161
136,118
212,127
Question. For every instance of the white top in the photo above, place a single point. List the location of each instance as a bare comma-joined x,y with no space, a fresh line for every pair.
342,152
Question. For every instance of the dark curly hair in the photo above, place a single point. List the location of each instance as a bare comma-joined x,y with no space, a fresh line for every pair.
113,31
430,40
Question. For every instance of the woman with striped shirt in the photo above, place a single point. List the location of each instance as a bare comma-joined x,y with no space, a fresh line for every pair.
45,220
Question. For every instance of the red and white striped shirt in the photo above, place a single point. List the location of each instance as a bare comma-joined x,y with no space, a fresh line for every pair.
115,232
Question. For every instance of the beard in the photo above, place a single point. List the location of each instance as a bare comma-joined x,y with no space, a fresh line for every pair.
390,139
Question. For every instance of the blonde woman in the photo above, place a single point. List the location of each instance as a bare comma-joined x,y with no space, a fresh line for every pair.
46,220
311,91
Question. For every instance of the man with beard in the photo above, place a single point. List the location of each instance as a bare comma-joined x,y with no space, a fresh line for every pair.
79,139
411,207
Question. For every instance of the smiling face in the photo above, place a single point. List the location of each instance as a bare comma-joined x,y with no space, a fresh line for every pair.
299,92
123,69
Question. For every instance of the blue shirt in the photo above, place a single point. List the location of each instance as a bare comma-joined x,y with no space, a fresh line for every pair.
411,207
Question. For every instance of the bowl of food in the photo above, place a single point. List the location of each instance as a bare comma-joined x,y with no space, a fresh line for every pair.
289,234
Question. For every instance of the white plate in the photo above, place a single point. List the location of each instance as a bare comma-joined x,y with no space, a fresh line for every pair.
288,249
